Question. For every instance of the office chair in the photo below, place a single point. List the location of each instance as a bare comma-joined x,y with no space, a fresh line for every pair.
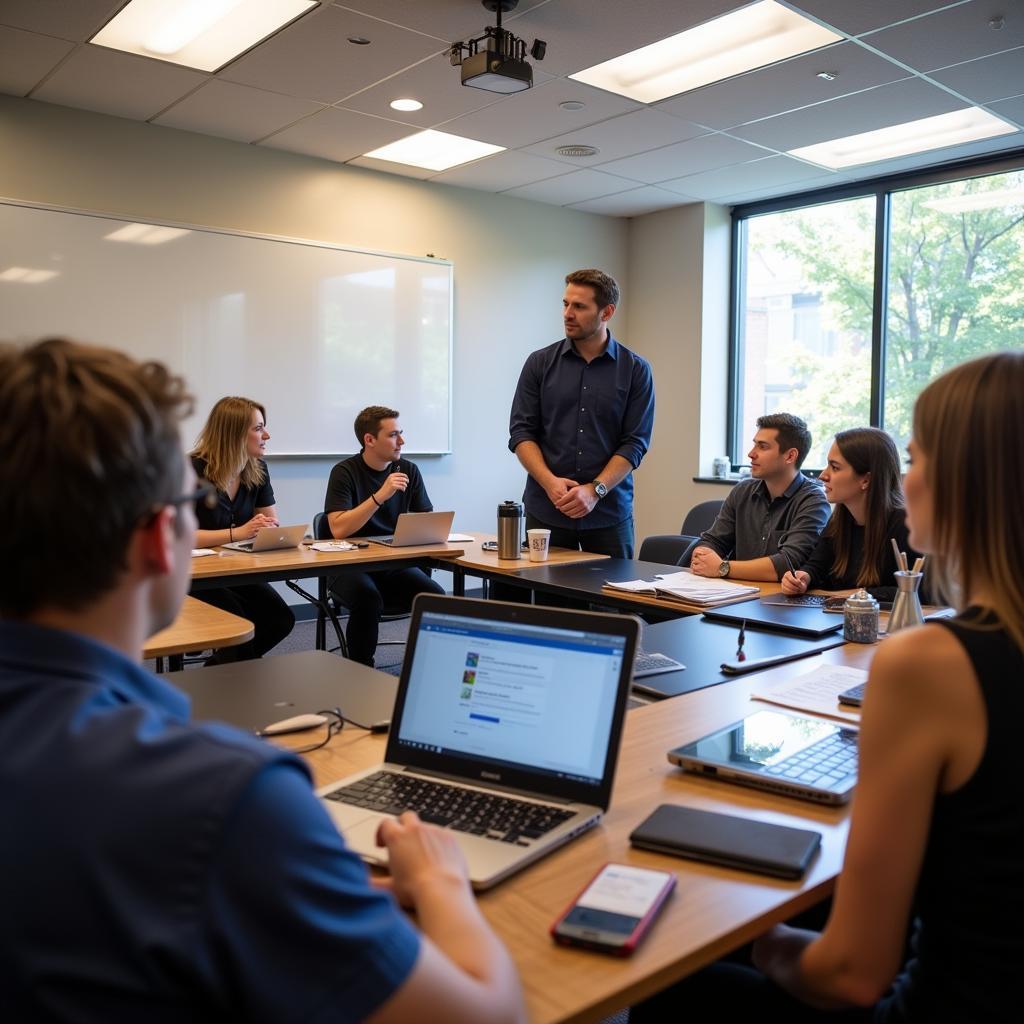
700,518
667,548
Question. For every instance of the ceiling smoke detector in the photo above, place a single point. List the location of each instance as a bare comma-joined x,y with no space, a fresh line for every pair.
577,151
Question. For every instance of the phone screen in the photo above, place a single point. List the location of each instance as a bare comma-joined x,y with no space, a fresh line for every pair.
609,911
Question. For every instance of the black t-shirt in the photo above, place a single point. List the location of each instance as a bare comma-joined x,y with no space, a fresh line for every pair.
352,482
232,513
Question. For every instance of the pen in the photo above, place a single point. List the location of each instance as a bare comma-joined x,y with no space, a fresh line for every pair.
740,656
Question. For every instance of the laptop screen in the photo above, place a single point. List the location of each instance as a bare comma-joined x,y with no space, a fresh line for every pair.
528,696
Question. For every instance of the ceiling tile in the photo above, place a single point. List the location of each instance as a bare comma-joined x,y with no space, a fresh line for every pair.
435,83
313,59
502,171
756,174
864,111
530,116
951,36
1012,109
26,57
988,78
389,167
865,15
670,162
574,187
338,135
76,20
787,86
235,111
117,83
582,33
447,20
620,136
634,203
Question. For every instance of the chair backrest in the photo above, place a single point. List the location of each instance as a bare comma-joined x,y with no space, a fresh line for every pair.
667,548
701,517
321,527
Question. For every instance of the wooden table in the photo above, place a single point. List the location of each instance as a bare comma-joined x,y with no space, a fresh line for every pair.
197,627
714,910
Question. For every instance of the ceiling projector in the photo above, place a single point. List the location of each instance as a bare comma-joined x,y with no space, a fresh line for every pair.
496,61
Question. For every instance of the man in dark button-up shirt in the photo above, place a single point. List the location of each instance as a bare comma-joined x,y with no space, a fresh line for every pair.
771,522
581,422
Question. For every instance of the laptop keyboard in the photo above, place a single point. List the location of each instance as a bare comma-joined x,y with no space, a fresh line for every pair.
821,764
502,819
806,600
650,662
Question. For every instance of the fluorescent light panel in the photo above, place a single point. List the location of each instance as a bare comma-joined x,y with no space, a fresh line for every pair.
997,199
761,34
938,132
145,234
26,275
435,151
203,34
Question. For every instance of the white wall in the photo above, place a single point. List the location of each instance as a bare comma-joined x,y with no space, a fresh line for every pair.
510,259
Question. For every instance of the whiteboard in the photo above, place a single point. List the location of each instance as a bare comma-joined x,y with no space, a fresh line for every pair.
312,331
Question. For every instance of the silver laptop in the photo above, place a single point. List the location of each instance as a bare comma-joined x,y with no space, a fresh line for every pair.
271,538
803,757
419,528
506,730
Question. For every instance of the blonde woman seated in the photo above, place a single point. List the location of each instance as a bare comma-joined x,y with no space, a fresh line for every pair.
862,481
936,844
229,454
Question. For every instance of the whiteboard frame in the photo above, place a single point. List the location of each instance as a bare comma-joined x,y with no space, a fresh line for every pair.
315,243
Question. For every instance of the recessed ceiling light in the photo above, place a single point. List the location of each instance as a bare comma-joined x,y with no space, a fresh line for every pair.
763,33
571,105
954,129
408,105
436,151
828,76
359,40
203,34
145,234
26,275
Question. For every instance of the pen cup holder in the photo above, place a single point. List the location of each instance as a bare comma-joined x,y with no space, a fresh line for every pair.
906,607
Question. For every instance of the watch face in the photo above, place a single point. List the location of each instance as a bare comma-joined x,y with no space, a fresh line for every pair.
600,488
723,569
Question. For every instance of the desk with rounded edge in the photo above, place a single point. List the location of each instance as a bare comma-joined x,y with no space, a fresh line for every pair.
714,910
198,626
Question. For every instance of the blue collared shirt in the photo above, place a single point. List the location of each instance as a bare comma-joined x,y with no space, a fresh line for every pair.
581,414
154,869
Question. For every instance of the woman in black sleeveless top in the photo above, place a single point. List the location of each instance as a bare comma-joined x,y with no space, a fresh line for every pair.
936,845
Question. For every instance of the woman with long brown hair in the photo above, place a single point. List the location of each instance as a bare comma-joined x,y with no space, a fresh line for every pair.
937,832
862,481
229,454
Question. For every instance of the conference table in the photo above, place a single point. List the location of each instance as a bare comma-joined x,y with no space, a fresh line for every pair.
198,627
713,911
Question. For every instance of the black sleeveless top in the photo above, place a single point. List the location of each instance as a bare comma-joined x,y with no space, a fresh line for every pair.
967,963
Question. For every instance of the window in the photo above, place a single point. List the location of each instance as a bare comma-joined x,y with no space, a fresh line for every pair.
847,305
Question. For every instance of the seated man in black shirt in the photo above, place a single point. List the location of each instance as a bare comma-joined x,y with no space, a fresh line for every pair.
365,496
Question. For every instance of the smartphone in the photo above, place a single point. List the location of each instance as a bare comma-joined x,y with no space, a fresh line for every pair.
853,696
615,910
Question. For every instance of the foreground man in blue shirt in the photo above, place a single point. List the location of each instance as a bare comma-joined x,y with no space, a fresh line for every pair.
581,422
150,868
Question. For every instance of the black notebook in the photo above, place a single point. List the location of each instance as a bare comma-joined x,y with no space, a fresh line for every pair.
725,839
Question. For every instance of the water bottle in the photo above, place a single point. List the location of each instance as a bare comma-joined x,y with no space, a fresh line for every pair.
510,529
906,607
860,618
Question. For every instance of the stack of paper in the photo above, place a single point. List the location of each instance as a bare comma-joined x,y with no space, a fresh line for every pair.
817,691
333,545
684,586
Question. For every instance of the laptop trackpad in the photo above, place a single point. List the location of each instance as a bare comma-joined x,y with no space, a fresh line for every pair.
361,838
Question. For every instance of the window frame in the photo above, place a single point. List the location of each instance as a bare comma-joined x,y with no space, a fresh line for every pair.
882,188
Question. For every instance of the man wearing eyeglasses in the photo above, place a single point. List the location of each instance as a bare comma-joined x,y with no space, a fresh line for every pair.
365,496
152,867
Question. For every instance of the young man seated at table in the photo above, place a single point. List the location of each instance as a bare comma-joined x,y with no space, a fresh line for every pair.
365,496
153,868
770,523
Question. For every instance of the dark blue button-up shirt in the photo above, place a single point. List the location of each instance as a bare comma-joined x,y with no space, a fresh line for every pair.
581,414
152,869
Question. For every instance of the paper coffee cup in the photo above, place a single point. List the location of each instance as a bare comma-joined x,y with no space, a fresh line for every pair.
538,541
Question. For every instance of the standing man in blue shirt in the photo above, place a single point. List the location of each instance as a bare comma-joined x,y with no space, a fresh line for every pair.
581,422
189,871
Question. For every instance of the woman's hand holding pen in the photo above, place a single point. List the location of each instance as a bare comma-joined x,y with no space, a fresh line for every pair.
795,582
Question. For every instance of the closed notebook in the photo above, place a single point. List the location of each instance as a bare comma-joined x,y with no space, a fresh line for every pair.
728,840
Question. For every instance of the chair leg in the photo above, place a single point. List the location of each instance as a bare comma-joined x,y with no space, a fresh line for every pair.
324,611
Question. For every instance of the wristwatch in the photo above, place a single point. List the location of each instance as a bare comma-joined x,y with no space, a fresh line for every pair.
724,568
600,488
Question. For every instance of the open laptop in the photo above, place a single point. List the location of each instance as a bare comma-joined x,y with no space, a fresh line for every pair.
506,730
800,621
808,758
271,538
419,528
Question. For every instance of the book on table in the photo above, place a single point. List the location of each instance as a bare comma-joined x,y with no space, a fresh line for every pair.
688,588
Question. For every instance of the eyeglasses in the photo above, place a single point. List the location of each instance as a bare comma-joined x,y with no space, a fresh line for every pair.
205,492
